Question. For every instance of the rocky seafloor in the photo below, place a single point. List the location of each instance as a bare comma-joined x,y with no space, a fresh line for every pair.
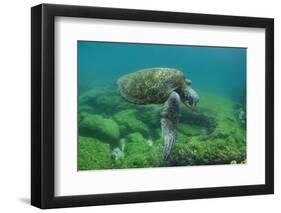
114,133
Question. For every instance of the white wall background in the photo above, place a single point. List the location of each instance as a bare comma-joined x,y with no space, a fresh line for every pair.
15,105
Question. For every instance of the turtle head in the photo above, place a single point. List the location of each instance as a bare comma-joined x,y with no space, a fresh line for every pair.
189,97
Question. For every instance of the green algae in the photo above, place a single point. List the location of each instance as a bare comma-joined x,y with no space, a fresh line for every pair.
96,126
139,153
93,154
209,135
128,121
190,130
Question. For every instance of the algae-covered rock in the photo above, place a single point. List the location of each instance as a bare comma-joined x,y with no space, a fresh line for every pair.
138,153
156,153
135,137
103,101
110,101
220,152
103,128
86,109
226,128
219,138
129,123
208,135
183,155
135,143
189,130
88,97
193,123
135,152
149,114
211,152
182,138
93,154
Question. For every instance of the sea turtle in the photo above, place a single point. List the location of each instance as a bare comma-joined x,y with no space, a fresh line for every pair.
160,86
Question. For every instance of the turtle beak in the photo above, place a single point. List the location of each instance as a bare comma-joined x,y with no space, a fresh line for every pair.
191,99
189,105
186,103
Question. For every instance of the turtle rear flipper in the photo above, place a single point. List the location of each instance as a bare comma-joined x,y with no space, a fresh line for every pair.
169,119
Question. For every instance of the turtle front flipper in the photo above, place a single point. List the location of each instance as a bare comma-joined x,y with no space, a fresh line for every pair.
169,120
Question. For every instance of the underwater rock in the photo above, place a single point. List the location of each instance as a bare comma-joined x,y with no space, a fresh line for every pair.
156,152
226,128
138,153
221,139
191,123
129,123
88,98
93,154
135,152
111,101
149,114
86,109
189,129
103,128
182,138
183,155
211,134
135,137
213,152
104,101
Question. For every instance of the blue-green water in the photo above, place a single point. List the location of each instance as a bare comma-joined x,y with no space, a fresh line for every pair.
117,134
218,69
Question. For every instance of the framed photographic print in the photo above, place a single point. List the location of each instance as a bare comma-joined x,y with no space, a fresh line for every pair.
140,106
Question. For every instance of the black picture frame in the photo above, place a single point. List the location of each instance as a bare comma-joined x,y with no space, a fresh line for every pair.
43,111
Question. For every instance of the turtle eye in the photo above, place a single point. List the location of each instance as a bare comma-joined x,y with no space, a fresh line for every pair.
188,82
